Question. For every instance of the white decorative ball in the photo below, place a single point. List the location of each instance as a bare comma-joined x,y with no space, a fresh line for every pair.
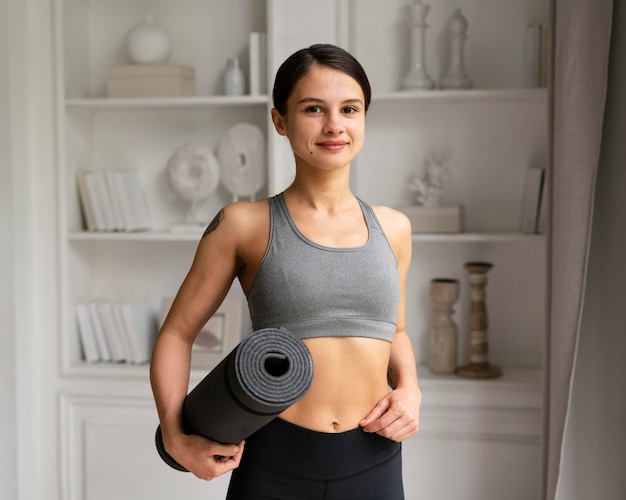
148,43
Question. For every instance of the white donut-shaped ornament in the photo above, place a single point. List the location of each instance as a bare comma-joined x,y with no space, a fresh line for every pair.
193,172
242,156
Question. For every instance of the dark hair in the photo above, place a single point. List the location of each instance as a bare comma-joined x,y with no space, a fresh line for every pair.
299,63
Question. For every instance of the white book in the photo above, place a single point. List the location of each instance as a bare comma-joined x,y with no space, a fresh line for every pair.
115,199
543,207
104,200
89,193
112,331
86,196
258,63
119,189
141,329
133,203
116,309
531,199
86,333
263,58
98,330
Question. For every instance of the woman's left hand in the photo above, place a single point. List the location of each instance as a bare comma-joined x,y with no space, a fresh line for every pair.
396,416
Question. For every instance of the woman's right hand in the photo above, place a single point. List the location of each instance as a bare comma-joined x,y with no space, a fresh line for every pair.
204,458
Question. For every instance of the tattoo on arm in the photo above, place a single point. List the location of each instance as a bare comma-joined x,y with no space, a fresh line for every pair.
214,223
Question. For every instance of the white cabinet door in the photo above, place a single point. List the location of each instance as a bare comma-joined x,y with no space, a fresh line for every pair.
109,453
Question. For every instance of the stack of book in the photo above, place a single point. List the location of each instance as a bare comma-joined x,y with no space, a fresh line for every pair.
120,332
113,200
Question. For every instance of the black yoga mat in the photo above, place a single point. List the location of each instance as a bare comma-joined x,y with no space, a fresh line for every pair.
267,372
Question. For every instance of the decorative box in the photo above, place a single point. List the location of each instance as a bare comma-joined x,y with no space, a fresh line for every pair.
435,219
151,80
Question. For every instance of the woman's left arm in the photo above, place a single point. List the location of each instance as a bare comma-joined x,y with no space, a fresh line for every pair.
396,416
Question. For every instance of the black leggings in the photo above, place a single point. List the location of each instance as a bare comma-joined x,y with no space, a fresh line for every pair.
283,461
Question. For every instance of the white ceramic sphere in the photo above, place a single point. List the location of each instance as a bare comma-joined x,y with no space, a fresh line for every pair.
148,43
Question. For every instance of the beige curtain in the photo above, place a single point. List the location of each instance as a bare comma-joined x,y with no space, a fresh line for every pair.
581,41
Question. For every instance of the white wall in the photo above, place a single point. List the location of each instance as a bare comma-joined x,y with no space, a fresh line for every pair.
595,442
8,442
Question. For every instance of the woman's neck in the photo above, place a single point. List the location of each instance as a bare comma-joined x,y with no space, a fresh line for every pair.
328,189
329,198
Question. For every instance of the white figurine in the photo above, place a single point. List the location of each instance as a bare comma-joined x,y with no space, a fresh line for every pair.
456,77
417,76
429,185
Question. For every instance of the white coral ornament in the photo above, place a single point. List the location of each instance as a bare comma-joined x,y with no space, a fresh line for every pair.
428,182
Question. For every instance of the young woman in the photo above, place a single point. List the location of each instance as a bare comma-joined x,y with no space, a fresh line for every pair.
332,270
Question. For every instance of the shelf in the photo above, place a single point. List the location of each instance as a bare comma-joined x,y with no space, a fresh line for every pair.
528,377
521,379
474,95
138,236
123,371
474,237
516,388
417,238
167,102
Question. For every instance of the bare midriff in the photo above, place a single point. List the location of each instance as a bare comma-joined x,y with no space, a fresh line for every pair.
350,377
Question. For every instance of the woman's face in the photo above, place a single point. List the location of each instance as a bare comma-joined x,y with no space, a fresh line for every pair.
325,120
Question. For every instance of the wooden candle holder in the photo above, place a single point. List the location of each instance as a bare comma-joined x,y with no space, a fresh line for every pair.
478,366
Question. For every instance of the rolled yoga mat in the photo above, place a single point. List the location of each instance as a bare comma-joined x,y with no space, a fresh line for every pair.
267,372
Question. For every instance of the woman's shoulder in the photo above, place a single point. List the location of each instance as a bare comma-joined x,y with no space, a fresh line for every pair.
397,229
393,221
238,227
246,218
246,209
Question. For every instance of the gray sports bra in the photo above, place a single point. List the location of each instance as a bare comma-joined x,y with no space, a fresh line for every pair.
317,291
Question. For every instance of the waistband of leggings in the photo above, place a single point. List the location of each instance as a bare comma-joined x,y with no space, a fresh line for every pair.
306,453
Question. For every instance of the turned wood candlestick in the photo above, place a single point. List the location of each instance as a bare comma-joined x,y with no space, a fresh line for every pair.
478,366
443,333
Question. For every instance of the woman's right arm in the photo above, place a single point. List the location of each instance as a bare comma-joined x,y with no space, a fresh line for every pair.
212,272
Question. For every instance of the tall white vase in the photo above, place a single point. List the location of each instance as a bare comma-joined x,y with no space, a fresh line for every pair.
417,76
444,293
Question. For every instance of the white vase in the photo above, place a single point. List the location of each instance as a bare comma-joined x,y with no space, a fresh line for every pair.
148,43
443,333
234,79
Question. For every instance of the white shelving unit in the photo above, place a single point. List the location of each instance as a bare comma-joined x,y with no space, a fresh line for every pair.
496,131
165,102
